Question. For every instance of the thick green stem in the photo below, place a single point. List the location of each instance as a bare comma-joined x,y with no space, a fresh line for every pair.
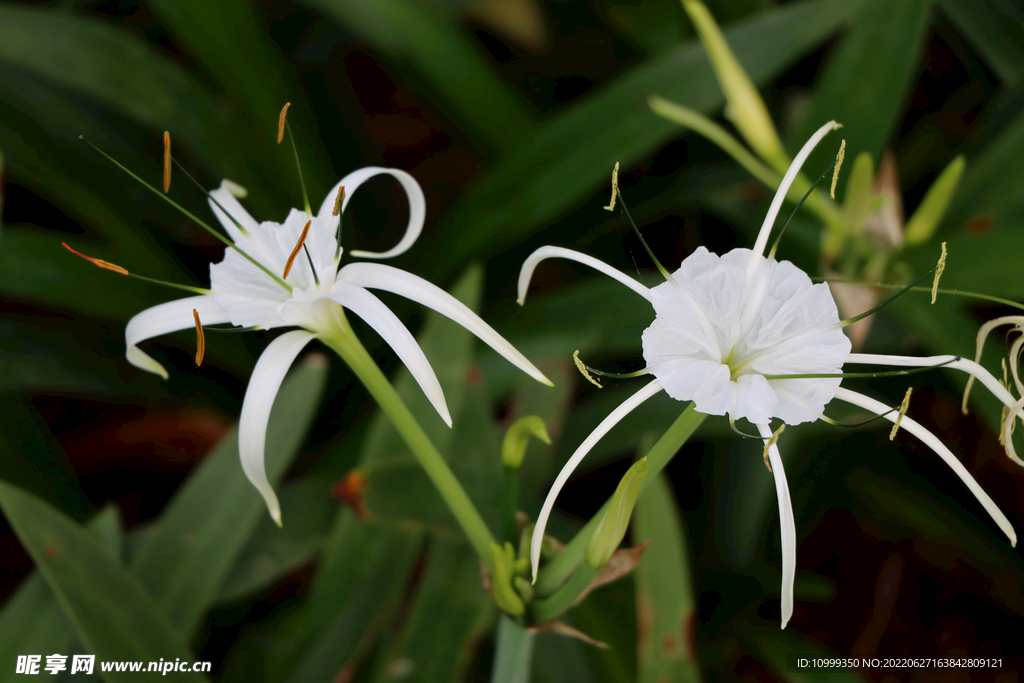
345,343
566,596
554,573
509,503
514,653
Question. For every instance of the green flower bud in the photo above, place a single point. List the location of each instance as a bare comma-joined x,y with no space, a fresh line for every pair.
612,529
501,581
744,106
929,213
513,448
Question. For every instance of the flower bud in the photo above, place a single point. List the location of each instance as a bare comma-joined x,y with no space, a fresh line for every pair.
501,581
929,213
744,106
610,531
513,448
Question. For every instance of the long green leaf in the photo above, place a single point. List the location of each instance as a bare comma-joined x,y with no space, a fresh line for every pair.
549,171
33,460
273,552
410,33
865,84
449,615
32,621
111,611
186,556
665,608
111,66
995,29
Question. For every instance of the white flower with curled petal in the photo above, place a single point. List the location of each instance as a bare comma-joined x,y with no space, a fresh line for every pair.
310,293
750,337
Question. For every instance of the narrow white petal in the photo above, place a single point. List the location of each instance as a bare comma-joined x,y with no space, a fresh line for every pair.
787,182
226,198
787,524
390,328
169,317
390,279
954,362
259,399
606,424
526,273
417,206
930,440
1008,432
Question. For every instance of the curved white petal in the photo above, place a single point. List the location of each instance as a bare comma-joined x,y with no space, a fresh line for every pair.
930,440
526,272
606,424
786,524
954,362
390,328
225,196
417,206
983,333
787,182
1007,431
390,279
169,317
259,399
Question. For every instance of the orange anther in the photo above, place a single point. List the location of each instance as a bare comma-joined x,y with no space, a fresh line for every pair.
295,251
280,122
200,339
95,261
167,161
339,201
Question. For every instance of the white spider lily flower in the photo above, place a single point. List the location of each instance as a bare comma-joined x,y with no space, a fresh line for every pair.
310,294
750,337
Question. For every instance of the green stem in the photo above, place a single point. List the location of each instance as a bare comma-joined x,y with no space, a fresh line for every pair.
564,597
514,653
510,503
347,345
554,573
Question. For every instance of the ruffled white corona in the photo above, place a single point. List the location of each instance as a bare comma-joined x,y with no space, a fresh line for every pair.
717,334
729,332
243,294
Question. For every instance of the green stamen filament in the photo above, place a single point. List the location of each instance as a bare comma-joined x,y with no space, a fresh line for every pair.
188,214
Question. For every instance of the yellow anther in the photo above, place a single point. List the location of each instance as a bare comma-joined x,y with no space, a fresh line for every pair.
583,369
200,339
615,194
98,262
295,251
281,121
835,169
167,161
903,411
941,266
339,200
771,442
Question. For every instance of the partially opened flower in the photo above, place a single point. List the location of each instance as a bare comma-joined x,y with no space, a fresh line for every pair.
287,275
746,336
